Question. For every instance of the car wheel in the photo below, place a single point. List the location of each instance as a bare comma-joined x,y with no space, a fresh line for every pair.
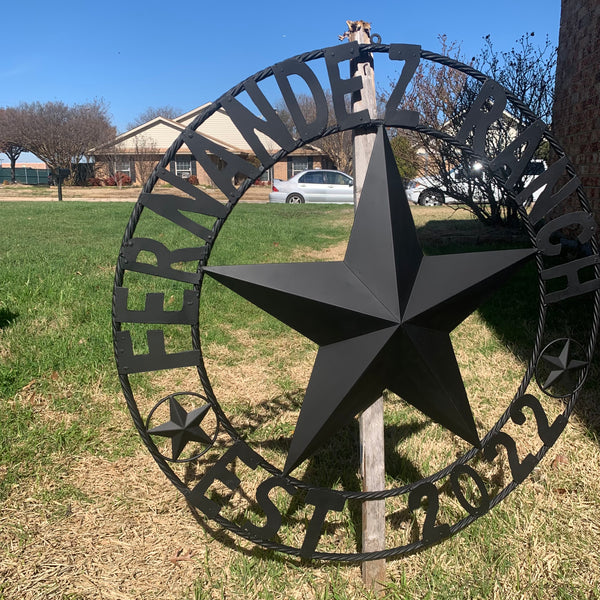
431,198
294,199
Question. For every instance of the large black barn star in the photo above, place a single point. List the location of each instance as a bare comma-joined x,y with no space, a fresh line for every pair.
381,317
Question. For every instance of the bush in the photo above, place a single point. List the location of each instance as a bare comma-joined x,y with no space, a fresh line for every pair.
118,179
94,181
193,180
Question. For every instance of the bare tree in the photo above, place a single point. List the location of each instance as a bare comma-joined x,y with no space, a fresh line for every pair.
61,135
10,142
338,148
527,70
442,97
146,156
167,111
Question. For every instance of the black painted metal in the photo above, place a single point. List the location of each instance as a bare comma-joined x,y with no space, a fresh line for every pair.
183,427
167,263
381,317
560,365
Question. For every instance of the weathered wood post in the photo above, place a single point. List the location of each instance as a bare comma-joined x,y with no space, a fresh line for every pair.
371,420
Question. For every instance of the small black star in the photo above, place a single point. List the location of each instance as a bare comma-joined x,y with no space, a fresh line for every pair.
183,427
563,363
382,316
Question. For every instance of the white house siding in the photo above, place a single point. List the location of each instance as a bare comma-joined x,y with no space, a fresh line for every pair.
162,135
219,126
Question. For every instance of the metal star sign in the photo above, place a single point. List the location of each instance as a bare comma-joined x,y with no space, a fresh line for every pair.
563,364
183,427
381,317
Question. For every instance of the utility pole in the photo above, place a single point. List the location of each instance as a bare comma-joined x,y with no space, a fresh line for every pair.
371,420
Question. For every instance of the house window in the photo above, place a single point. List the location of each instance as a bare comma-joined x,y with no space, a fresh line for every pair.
183,167
123,165
299,163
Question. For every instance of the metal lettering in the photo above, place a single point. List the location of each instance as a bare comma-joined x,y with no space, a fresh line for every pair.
484,502
164,259
510,164
323,501
271,527
154,311
247,123
205,204
157,357
571,270
547,200
219,471
282,72
223,173
411,55
519,469
547,433
481,115
340,87
170,207
585,221
431,532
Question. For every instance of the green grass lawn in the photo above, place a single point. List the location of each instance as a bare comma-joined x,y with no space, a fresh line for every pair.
86,513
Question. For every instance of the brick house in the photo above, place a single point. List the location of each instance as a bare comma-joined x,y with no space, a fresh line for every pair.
576,118
136,152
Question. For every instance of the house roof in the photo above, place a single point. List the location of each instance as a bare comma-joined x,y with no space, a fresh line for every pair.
161,132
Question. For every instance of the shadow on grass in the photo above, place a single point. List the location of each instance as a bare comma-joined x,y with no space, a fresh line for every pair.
512,313
513,310
7,317
334,466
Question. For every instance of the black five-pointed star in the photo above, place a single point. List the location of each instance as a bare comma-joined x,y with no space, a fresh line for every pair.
563,364
381,317
183,427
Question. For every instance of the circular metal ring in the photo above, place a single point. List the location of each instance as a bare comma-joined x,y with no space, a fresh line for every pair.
413,489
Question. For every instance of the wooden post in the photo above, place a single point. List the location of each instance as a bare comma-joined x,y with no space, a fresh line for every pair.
371,420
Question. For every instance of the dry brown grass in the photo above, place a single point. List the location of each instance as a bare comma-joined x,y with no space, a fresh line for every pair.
110,194
116,529
127,534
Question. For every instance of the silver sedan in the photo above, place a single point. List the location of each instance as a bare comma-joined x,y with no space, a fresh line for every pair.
314,186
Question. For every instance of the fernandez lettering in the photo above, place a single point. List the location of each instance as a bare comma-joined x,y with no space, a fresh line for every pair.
411,55
170,206
156,359
205,204
247,122
341,87
164,259
154,311
282,72
224,174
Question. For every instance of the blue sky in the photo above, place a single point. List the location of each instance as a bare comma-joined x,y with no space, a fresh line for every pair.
139,54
